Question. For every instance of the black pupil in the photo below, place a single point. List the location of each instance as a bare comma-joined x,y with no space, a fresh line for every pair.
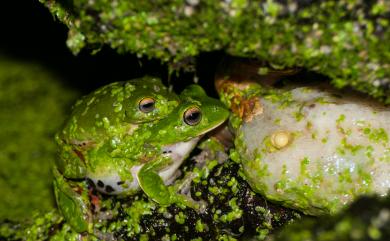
147,106
193,117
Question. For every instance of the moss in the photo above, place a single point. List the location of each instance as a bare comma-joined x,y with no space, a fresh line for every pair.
341,39
366,219
235,211
32,103
48,226
376,135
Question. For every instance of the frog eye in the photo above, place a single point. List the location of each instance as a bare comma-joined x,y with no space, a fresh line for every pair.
147,105
192,116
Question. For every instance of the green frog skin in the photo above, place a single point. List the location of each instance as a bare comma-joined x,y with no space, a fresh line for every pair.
123,158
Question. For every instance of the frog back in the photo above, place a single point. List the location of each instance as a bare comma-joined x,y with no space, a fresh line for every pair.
96,116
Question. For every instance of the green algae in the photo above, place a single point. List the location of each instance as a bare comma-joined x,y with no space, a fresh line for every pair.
233,212
341,39
32,105
377,135
366,219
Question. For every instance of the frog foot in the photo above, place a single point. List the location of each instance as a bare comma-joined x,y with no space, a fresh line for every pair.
155,188
73,202
185,200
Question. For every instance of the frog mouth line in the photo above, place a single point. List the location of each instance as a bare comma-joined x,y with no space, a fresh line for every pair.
212,128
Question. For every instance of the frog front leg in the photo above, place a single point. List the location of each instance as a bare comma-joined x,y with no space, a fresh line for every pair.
154,187
73,202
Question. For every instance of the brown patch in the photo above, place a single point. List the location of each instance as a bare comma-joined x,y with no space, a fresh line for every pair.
252,107
144,159
78,190
80,155
226,85
235,75
83,145
95,201
245,108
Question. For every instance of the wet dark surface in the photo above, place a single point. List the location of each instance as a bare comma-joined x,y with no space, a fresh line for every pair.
222,198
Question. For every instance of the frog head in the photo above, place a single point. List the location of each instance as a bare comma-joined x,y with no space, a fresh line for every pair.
175,137
197,114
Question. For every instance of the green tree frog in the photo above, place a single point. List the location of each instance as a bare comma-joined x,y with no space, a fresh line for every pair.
122,158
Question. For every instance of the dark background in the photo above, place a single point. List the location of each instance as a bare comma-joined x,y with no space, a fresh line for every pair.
30,33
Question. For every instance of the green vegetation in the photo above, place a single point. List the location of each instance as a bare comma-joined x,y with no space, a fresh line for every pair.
32,104
366,219
344,39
